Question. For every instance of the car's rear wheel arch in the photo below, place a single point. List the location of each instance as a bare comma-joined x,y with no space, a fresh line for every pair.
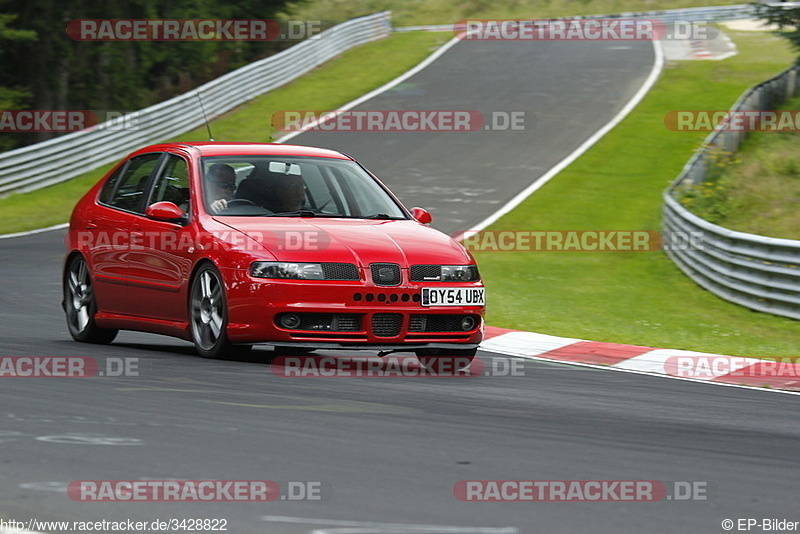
65,270
79,302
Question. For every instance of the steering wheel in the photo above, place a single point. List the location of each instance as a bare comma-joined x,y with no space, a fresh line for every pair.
240,202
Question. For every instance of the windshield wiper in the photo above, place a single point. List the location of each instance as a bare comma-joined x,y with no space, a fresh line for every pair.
380,216
295,213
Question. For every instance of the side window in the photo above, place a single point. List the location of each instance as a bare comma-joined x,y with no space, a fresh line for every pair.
133,183
172,185
111,183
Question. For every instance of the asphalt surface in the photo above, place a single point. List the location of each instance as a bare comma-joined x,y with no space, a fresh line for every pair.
389,451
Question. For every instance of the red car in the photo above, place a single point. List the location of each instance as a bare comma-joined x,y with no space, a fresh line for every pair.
231,244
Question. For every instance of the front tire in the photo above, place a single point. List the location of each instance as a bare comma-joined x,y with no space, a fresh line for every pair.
80,305
208,316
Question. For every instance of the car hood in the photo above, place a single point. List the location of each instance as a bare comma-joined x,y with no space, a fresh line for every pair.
358,241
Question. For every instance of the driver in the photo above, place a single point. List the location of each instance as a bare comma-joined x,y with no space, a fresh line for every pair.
221,180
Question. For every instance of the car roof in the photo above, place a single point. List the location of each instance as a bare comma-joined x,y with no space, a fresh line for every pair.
210,148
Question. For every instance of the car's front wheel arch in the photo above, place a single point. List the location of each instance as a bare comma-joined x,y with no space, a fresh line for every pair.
208,313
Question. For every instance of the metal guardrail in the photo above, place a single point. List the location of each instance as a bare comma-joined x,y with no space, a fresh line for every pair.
59,159
758,272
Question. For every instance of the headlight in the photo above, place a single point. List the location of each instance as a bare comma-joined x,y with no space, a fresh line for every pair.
287,270
460,273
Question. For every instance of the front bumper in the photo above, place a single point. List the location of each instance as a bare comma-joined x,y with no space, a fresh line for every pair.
376,317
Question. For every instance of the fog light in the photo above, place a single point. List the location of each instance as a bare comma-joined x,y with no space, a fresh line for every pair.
290,321
467,323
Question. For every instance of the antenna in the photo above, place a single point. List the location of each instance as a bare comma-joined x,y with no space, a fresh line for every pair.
208,126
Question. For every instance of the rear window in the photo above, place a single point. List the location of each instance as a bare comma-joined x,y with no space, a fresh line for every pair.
131,184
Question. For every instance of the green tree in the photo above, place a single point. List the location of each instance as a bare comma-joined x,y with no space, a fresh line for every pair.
13,94
787,17
44,68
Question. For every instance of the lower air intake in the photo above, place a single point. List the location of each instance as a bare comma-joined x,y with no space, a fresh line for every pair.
387,324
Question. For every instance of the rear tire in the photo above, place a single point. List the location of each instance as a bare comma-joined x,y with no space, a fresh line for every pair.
80,305
208,316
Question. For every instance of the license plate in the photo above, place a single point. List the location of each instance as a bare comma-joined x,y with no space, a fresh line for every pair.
453,296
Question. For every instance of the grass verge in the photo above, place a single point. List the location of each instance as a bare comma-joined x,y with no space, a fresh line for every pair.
337,82
757,191
635,297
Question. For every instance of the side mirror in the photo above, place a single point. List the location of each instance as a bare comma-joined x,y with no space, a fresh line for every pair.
165,211
422,215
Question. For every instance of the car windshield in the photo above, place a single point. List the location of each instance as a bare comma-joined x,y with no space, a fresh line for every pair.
291,186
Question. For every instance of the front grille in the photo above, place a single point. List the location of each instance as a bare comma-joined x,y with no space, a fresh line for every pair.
437,323
340,271
387,324
426,273
325,322
385,274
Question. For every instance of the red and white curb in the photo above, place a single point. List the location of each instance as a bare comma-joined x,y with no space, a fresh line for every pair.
780,374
